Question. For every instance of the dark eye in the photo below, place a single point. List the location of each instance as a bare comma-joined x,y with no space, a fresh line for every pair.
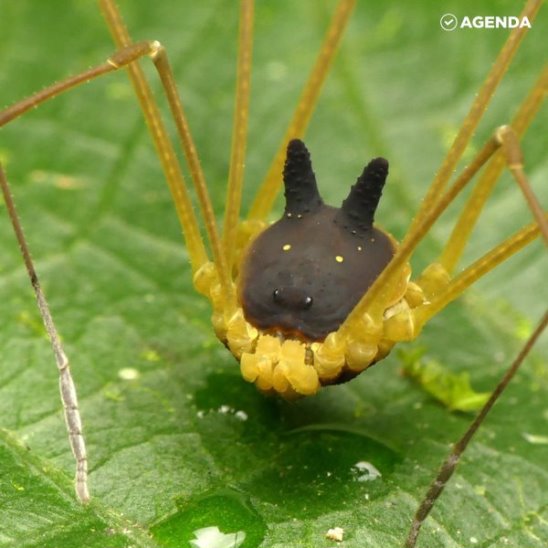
292,298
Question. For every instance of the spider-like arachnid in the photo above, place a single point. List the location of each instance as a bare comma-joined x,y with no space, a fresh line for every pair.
157,348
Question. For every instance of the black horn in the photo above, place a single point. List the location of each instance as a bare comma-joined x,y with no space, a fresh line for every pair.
301,190
358,210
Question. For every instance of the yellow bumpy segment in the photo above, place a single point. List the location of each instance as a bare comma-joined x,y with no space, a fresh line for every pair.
293,368
280,366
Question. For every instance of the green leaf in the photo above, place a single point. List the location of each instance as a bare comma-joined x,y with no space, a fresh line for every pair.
183,443
453,390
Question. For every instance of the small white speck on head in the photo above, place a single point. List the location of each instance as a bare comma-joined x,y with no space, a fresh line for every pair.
473,540
336,534
286,247
128,374
224,409
360,248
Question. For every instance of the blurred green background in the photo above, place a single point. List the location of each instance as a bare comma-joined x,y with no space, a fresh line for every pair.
166,457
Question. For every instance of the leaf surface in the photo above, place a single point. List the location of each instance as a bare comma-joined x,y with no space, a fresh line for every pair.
187,444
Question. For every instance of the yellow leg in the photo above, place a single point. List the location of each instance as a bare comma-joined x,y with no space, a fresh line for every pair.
239,131
127,54
514,157
377,299
374,303
474,272
163,67
170,165
270,186
471,211
475,113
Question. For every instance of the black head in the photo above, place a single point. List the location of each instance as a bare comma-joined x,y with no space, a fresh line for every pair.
304,274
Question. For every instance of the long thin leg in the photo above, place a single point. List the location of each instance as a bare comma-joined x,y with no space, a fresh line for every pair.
514,156
474,272
471,211
476,112
119,59
152,115
156,126
307,102
165,72
239,130
448,467
66,384
374,301
183,204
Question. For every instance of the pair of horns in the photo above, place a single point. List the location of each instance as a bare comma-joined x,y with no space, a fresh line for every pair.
302,196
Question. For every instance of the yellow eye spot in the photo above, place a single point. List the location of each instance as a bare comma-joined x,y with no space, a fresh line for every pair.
286,247
339,259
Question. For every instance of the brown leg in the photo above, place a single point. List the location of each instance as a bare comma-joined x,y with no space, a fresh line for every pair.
122,58
471,211
448,467
66,384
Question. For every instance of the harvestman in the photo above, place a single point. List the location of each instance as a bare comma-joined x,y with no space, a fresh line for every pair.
289,336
